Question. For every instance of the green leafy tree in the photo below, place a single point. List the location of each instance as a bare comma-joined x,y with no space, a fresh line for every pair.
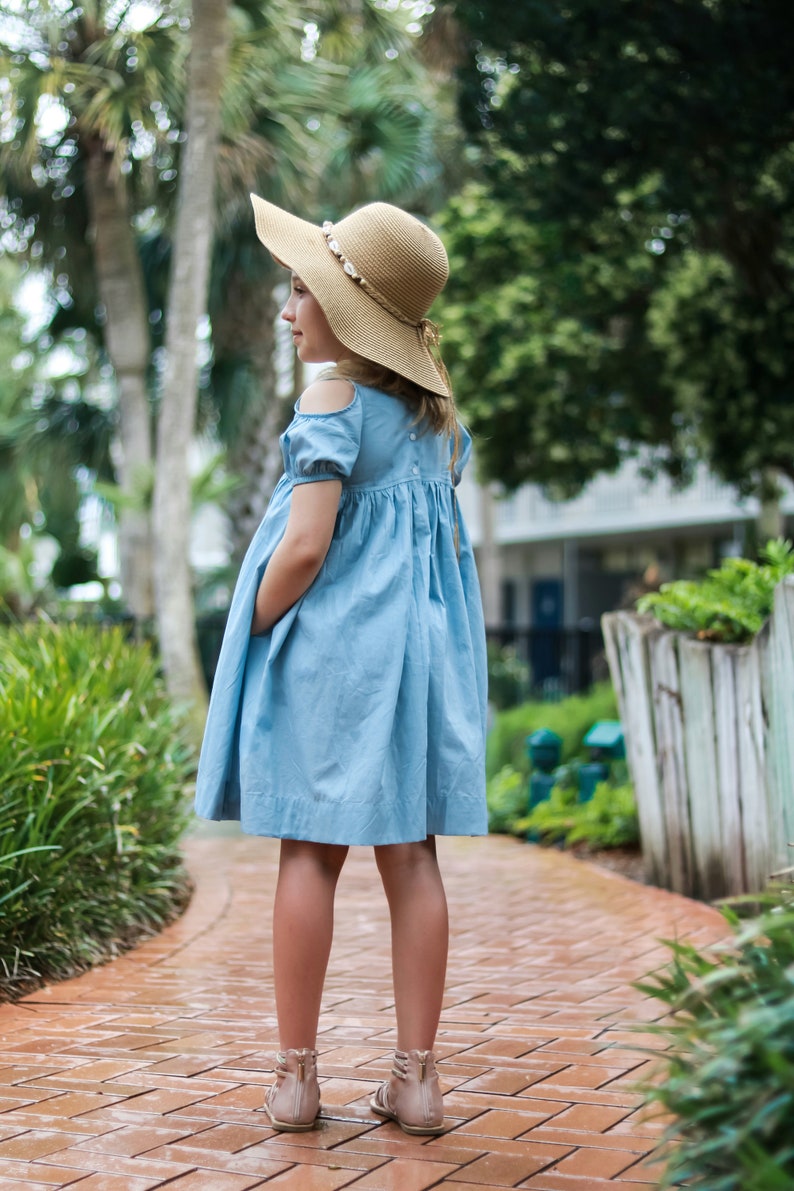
541,344
725,355
667,129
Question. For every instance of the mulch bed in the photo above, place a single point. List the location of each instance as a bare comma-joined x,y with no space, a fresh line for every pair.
626,861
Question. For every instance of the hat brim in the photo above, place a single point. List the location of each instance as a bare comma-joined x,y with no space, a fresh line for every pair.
357,320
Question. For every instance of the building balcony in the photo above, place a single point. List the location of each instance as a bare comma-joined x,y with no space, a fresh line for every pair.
623,503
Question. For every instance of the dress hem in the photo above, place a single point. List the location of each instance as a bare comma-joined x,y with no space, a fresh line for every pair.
369,843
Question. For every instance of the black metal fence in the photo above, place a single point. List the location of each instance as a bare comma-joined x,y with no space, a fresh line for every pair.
557,661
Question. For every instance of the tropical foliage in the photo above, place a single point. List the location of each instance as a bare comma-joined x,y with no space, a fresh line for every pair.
727,1075
94,765
508,796
731,603
49,430
607,820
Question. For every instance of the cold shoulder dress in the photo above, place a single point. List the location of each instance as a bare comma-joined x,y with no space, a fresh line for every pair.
359,718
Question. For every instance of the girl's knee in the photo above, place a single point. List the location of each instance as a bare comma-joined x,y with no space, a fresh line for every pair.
394,857
323,859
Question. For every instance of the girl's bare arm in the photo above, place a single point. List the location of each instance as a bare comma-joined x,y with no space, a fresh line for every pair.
296,561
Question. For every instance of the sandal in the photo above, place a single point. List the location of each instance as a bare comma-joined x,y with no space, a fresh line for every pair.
293,1102
412,1096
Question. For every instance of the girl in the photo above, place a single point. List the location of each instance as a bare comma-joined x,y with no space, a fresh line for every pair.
349,701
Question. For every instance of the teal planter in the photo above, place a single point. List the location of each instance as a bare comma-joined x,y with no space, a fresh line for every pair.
544,749
589,777
540,788
606,740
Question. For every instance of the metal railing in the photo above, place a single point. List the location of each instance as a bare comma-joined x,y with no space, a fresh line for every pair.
559,661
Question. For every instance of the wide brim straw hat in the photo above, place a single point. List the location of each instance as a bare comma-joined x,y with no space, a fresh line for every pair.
375,274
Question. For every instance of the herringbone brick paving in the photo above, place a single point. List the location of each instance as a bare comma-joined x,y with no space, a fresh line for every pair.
151,1071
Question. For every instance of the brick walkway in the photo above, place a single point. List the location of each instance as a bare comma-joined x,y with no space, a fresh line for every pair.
151,1072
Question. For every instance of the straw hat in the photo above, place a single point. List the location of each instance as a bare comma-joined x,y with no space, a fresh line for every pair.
375,275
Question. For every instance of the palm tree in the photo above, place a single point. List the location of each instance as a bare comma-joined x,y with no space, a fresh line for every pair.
187,295
230,70
302,132
78,106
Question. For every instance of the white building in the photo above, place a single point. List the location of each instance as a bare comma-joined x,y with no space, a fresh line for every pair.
550,567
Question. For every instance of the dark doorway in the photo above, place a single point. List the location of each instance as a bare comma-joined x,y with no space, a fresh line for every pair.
547,612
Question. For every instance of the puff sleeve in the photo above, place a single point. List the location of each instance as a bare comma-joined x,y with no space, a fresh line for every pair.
323,446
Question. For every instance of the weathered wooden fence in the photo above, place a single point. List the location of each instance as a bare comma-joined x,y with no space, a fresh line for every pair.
710,744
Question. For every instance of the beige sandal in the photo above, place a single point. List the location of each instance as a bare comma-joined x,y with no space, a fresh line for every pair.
412,1096
293,1102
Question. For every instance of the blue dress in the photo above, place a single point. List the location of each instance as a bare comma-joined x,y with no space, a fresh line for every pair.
359,718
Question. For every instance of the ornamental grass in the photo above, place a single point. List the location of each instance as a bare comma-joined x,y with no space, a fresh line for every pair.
727,1077
95,765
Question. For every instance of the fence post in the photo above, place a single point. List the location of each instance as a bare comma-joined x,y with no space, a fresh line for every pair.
710,744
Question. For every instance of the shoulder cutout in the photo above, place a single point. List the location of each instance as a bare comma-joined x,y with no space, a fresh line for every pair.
326,396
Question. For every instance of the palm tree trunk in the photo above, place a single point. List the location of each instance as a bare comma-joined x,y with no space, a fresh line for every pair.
247,324
187,298
121,289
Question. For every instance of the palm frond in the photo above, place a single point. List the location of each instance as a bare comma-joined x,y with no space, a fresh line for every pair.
342,24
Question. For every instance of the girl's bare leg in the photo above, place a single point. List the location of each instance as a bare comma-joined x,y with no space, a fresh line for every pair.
303,925
419,938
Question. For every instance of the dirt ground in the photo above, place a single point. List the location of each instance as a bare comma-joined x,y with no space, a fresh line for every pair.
626,861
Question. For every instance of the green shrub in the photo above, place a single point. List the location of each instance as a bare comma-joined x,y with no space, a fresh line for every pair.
94,765
607,820
731,603
570,719
507,799
728,1077
508,676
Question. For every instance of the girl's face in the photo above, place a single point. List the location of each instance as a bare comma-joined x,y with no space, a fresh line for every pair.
314,340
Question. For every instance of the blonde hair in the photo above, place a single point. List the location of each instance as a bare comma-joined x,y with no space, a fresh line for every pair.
437,412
